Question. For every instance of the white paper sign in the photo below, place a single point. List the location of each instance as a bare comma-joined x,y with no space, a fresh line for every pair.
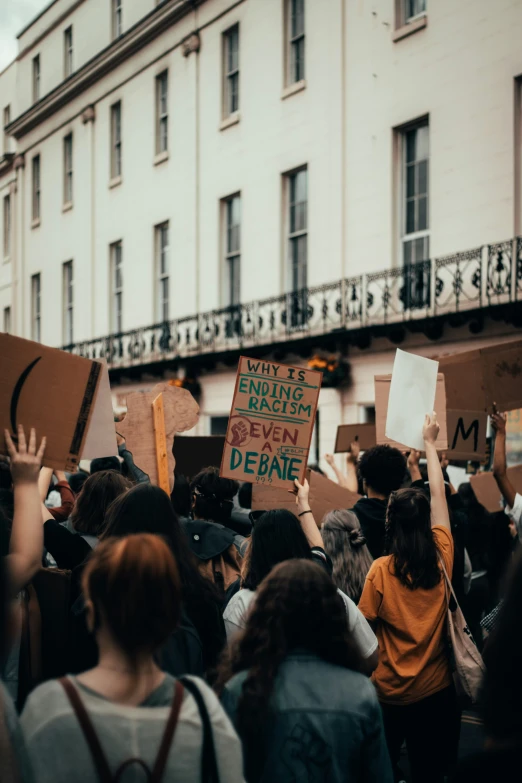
100,440
412,396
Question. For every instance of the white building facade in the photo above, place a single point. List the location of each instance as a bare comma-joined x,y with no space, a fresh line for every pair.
189,180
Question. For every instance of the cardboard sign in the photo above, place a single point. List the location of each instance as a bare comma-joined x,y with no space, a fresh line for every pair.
412,396
382,393
181,413
101,435
467,435
52,391
364,434
475,380
486,489
194,453
325,495
271,422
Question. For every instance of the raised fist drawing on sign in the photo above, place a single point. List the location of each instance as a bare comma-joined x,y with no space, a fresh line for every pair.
239,432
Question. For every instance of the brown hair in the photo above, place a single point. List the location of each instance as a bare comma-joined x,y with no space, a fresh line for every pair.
344,542
97,494
135,589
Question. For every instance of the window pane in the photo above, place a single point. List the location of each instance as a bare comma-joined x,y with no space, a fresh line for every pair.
411,146
410,181
410,216
422,177
297,20
233,50
422,221
423,138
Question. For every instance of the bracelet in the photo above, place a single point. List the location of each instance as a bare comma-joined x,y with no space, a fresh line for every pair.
308,511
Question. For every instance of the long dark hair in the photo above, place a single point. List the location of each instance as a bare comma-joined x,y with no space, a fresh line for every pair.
95,497
346,545
276,536
409,539
297,607
212,496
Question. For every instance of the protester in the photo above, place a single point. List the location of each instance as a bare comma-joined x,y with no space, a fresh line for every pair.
76,482
126,712
71,546
278,536
66,497
292,686
512,498
350,480
345,544
101,464
404,597
382,470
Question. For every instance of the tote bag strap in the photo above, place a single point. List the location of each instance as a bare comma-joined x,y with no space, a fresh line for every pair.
447,583
209,767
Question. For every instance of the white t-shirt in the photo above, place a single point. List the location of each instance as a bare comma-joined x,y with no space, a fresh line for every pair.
515,513
236,613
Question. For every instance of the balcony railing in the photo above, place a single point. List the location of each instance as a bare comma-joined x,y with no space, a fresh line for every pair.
483,277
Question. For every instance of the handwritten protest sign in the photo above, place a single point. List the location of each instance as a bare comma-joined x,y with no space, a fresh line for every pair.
271,422
347,434
54,392
467,431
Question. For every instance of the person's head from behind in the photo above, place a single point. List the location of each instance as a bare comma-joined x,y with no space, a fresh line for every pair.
133,596
276,536
244,495
212,496
76,481
344,542
382,471
97,494
409,539
105,463
145,508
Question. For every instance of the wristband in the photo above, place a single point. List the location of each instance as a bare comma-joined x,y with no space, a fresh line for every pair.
308,511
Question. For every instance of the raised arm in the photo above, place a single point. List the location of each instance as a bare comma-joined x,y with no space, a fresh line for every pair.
352,457
413,465
439,506
306,518
25,553
44,480
330,460
507,490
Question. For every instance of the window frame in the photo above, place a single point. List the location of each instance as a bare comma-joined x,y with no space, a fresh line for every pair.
162,276
36,307
117,19
68,52
414,17
231,76
68,302
36,78
116,141
6,119
36,193
292,236
116,291
418,234
7,226
68,171
7,324
162,117
292,43
231,264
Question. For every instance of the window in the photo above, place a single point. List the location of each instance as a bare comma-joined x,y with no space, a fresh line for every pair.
116,288
6,121
413,9
162,271
35,308
116,140
232,265
117,18
7,320
68,169
36,78
295,25
68,52
36,188
68,303
415,214
298,229
7,226
231,71
162,113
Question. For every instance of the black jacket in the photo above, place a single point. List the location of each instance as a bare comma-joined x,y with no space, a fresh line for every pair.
371,514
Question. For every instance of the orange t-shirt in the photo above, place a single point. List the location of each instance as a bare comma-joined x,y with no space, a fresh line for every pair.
411,629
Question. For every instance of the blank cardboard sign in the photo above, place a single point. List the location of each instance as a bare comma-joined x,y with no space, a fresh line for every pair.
50,390
412,395
467,435
382,393
347,434
101,434
487,492
325,495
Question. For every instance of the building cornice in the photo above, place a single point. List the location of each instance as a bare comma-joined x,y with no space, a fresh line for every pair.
120,50
6,163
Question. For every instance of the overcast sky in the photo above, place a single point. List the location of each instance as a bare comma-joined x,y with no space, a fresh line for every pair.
14,15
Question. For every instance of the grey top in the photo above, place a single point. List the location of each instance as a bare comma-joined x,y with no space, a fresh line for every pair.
60,754
12,741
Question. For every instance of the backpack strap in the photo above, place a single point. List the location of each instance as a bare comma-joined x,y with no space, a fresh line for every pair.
209,767
98,756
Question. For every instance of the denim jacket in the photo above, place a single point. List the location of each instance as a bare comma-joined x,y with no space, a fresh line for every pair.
325,726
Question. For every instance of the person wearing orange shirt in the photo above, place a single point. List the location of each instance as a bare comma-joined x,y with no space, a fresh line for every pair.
404,599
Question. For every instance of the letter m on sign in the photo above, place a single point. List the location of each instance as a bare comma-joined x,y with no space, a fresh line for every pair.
467,434
461,431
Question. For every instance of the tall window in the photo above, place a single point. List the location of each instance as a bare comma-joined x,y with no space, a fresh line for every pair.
6,121
295,25
67,299
162,112
116,288
7,226
231,71
232,270
162,271
117,18
116,140
36,314
68,52
36,78
68,169
415,213
36,188
7,320
298,229
412,9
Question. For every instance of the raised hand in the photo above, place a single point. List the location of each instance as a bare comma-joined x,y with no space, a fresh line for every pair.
430,430
352,456
413,459
498,422
25,460
239,433
330,459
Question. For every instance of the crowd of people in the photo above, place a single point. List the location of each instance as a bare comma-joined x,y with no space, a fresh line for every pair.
148,638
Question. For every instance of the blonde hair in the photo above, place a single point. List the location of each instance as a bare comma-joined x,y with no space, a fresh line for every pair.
345,543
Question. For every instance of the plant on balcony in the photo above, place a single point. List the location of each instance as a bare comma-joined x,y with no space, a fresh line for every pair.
336,372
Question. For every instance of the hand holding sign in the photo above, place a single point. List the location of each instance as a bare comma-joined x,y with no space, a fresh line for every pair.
431,428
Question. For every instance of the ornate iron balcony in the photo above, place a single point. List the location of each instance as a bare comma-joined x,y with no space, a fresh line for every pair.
471,280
